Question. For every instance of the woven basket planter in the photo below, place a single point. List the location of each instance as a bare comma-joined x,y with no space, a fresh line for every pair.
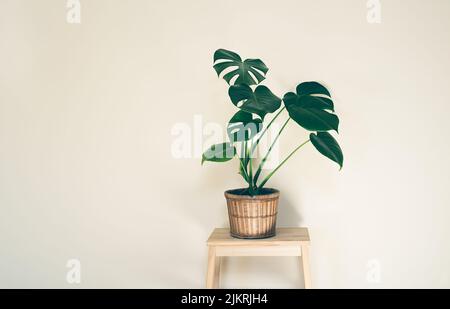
252,217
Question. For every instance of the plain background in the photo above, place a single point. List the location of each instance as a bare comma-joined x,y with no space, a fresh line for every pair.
87,110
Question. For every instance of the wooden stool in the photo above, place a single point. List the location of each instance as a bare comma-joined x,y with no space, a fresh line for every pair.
287,242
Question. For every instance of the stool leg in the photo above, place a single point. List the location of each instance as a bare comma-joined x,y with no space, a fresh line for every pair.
217,272
305,264
213,272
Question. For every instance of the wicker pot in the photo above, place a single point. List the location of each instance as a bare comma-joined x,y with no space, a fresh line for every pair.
252,217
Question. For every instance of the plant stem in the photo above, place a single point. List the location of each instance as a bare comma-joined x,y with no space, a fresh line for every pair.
258,172
281,164
246,161
265,130
243,152
245,155
250,170
250,167
243,170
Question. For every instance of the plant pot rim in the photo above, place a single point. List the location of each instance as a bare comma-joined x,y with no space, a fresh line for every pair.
233,194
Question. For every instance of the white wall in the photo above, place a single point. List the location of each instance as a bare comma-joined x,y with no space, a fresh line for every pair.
86,113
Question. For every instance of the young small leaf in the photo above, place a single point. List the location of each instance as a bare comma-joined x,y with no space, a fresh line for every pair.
219,153
328,146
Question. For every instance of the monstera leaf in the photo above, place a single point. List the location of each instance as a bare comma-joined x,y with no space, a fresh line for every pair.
249,71
261,101
291,98
308,107
242,127
219,153
313,119
310,94
313,88
328,146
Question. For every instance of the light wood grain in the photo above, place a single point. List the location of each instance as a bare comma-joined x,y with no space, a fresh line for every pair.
222,237
306,267
213,273
287,242
253,250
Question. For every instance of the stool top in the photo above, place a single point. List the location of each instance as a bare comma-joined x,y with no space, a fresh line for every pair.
284,235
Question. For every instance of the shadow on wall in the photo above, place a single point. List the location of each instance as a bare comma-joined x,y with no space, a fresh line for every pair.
288,212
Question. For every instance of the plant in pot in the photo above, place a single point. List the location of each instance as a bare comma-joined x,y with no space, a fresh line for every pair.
252,210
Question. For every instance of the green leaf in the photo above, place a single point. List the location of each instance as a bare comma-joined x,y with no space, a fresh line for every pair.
308,101
315,102
308,107
308,88
310,94
261,101
313,119
328,146
242,127
290,98
249,71
219,153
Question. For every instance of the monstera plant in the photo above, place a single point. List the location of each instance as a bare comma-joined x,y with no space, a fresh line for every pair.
310,106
